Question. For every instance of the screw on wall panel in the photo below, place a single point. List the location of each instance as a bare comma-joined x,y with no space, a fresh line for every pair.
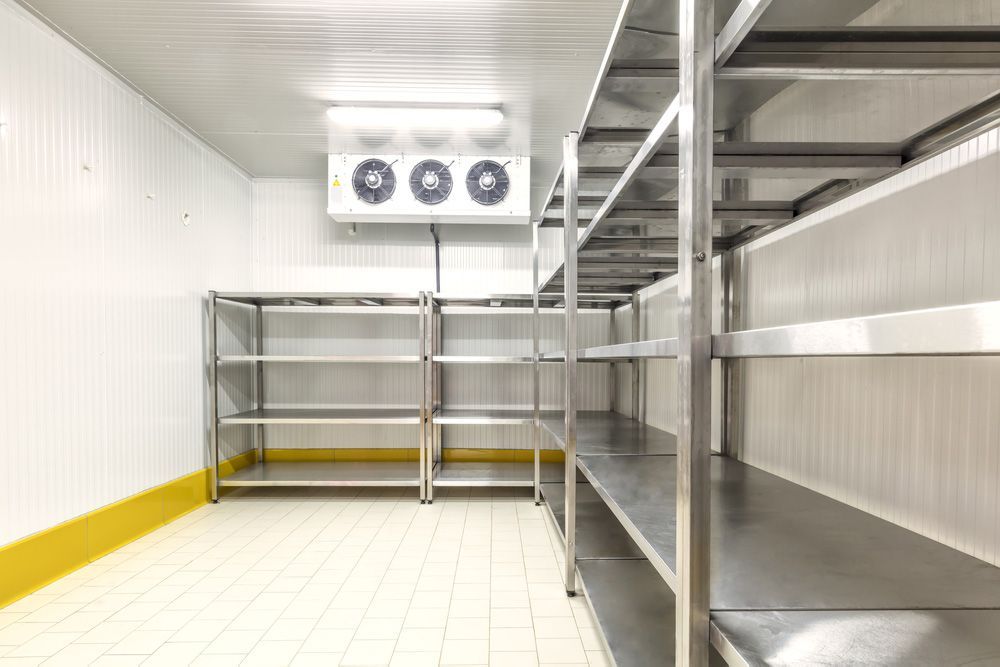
87,168
186,218
150,196
700,257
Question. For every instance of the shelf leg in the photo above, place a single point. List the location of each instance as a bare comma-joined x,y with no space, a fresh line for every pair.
536,435
570,167
637,364
422,435
694,354
259,379
213,393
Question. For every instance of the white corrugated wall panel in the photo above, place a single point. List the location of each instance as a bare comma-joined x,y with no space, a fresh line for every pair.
916,441
105,318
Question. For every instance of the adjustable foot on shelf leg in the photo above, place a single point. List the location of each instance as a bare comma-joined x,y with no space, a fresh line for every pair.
422,502
538,503
430,502
571,594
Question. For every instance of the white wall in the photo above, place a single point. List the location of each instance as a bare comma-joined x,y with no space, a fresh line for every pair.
102,395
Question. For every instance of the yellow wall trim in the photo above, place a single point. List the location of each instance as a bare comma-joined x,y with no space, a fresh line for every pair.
37,560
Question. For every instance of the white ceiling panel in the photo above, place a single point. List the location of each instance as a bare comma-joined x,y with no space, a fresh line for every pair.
254,77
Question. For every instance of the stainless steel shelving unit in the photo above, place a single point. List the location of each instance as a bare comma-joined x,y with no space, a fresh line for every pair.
314,473
693,558
441,473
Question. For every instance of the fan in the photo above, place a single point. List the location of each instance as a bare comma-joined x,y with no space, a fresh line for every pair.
487,182
431,182
374,181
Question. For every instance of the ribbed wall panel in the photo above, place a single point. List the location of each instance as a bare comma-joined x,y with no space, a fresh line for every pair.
105,319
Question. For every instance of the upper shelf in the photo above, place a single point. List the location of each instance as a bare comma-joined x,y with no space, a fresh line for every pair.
323,358
372,299
480,359
484,416
600,432
779,546
325,416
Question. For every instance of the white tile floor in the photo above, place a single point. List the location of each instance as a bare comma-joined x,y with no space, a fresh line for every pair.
325,577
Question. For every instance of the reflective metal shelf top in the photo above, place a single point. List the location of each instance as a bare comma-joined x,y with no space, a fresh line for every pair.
635,609
480,359
325,416
601,432
493,473
482,416
593,299
326,473
323,358
779,546
598,533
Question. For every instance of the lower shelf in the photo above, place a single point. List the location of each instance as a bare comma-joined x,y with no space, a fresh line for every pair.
598,533
928,637
635,610
326,473
452,473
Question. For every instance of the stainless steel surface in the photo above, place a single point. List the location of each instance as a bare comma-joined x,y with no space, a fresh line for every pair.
425,410
347,299
429,377
921,638
665,348
325,416
954,330
321,358
494,474
571,145
612,370
742,20
480,359
779,546
598,533
483,416
326,473
213,393
694,326
536,378
638,367
611,433
633,606
259,378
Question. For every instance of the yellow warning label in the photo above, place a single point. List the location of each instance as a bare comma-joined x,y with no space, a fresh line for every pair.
336,183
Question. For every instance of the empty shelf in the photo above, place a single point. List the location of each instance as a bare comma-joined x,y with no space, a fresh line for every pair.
480,359
904,638
323,358
600,432
325,416
484,416
453,473
779,546
598,533
635,611
326,473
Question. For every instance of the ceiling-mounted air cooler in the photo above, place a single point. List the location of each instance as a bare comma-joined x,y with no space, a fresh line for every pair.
431,182
498,188
487,182
374,181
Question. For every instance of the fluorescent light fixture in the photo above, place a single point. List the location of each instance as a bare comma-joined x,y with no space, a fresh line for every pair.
418,116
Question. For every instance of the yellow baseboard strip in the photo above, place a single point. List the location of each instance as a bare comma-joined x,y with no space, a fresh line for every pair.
40,559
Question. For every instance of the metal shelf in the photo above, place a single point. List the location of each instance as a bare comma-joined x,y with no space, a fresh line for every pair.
323,359
494,474
635,611
479,359
598,533
902,638
599,432
325,416
481,416
372,300
324,473
779,546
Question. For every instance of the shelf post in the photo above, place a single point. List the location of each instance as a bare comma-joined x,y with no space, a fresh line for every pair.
429,393
536,434
259,378
730,436
570,239
422,351
638,413
213,394
694,354
612,368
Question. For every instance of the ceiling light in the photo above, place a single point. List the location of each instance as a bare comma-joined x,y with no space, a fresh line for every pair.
426,116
